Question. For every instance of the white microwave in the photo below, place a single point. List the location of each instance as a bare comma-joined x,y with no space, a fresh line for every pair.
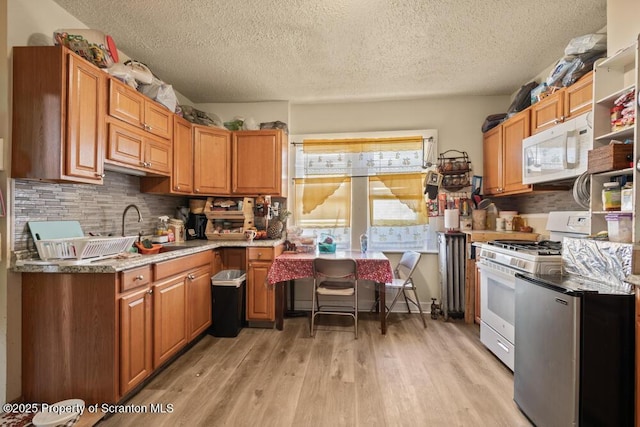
557,153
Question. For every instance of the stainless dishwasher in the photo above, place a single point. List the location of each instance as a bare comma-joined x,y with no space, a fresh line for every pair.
575,352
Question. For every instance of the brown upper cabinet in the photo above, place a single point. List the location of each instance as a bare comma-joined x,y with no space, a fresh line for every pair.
58,116
579,96
130,106
502,153
212,160
140,131
259,163
247,163
548,112
564,104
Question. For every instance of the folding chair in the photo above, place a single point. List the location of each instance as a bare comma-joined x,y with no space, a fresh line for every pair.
335,278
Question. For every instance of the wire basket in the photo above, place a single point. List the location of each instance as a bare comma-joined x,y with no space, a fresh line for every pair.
83,247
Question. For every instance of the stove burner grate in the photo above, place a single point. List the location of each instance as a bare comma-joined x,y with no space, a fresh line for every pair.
543,247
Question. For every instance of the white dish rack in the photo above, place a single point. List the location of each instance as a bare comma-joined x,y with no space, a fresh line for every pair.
80,248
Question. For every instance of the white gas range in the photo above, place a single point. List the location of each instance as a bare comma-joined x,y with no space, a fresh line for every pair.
500,260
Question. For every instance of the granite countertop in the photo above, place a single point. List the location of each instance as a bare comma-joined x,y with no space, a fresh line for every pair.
113,265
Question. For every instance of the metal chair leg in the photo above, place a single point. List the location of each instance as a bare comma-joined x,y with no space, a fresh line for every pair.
314,301
406,300
355,317
415,292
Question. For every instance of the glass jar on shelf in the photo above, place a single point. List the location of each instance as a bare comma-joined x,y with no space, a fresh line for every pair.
611,196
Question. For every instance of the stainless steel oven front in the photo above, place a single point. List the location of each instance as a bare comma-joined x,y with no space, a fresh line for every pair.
497,308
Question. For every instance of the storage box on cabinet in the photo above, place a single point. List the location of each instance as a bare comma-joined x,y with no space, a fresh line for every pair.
610,157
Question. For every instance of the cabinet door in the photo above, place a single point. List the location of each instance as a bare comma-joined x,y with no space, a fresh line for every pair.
212,161
169,318
548,112
135,339
126,104
157,119
579,96
157,156
492,161
199,289
125,145
84,148
234,259
257,162
514,131
260,297
182,177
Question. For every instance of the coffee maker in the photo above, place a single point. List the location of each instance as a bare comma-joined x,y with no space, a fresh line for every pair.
196,226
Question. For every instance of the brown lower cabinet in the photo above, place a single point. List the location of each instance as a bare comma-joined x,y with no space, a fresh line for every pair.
260,296
96,336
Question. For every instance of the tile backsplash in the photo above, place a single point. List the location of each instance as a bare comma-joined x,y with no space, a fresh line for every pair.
539,202
98,208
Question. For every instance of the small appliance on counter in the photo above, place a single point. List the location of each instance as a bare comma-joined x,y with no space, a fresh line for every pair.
196,226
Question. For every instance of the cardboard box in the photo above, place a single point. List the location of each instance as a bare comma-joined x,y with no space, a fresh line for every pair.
609,158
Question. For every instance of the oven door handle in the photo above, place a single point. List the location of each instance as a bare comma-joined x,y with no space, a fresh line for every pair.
503,271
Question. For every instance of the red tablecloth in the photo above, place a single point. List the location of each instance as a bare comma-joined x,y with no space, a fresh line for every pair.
370,265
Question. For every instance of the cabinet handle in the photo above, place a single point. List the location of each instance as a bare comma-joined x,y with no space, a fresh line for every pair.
148,164
197,190
191,276
150,291
140,277
177,187
100,175
259,254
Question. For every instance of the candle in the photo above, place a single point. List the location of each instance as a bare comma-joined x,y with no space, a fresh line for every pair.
451,219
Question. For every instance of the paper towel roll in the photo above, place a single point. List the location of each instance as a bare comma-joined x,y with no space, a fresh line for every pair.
451,219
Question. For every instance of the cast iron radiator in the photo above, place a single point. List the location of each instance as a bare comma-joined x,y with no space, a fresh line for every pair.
451,257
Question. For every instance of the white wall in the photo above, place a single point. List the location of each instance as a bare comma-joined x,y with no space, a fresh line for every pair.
623,25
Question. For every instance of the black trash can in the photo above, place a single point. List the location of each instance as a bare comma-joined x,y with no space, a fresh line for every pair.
227,303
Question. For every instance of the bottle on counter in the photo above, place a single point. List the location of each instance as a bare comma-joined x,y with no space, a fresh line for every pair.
364,242
492,215
162,230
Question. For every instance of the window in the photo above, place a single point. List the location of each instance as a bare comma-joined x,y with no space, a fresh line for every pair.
398,216
347,184
323,205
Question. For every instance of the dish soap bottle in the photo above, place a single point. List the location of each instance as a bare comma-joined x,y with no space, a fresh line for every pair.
162,230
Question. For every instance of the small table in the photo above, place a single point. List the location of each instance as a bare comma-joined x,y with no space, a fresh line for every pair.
374,266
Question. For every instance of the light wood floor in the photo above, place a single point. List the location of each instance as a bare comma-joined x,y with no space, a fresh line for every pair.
439,376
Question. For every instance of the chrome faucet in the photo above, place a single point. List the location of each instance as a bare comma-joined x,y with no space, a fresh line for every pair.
125,213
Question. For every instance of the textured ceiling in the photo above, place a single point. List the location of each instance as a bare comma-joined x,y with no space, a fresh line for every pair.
333,50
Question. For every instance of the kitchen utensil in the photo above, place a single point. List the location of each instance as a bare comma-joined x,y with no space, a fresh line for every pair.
484,203
45,230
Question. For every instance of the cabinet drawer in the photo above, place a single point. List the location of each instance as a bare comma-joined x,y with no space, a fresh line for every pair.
136,277
172,267
260,254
